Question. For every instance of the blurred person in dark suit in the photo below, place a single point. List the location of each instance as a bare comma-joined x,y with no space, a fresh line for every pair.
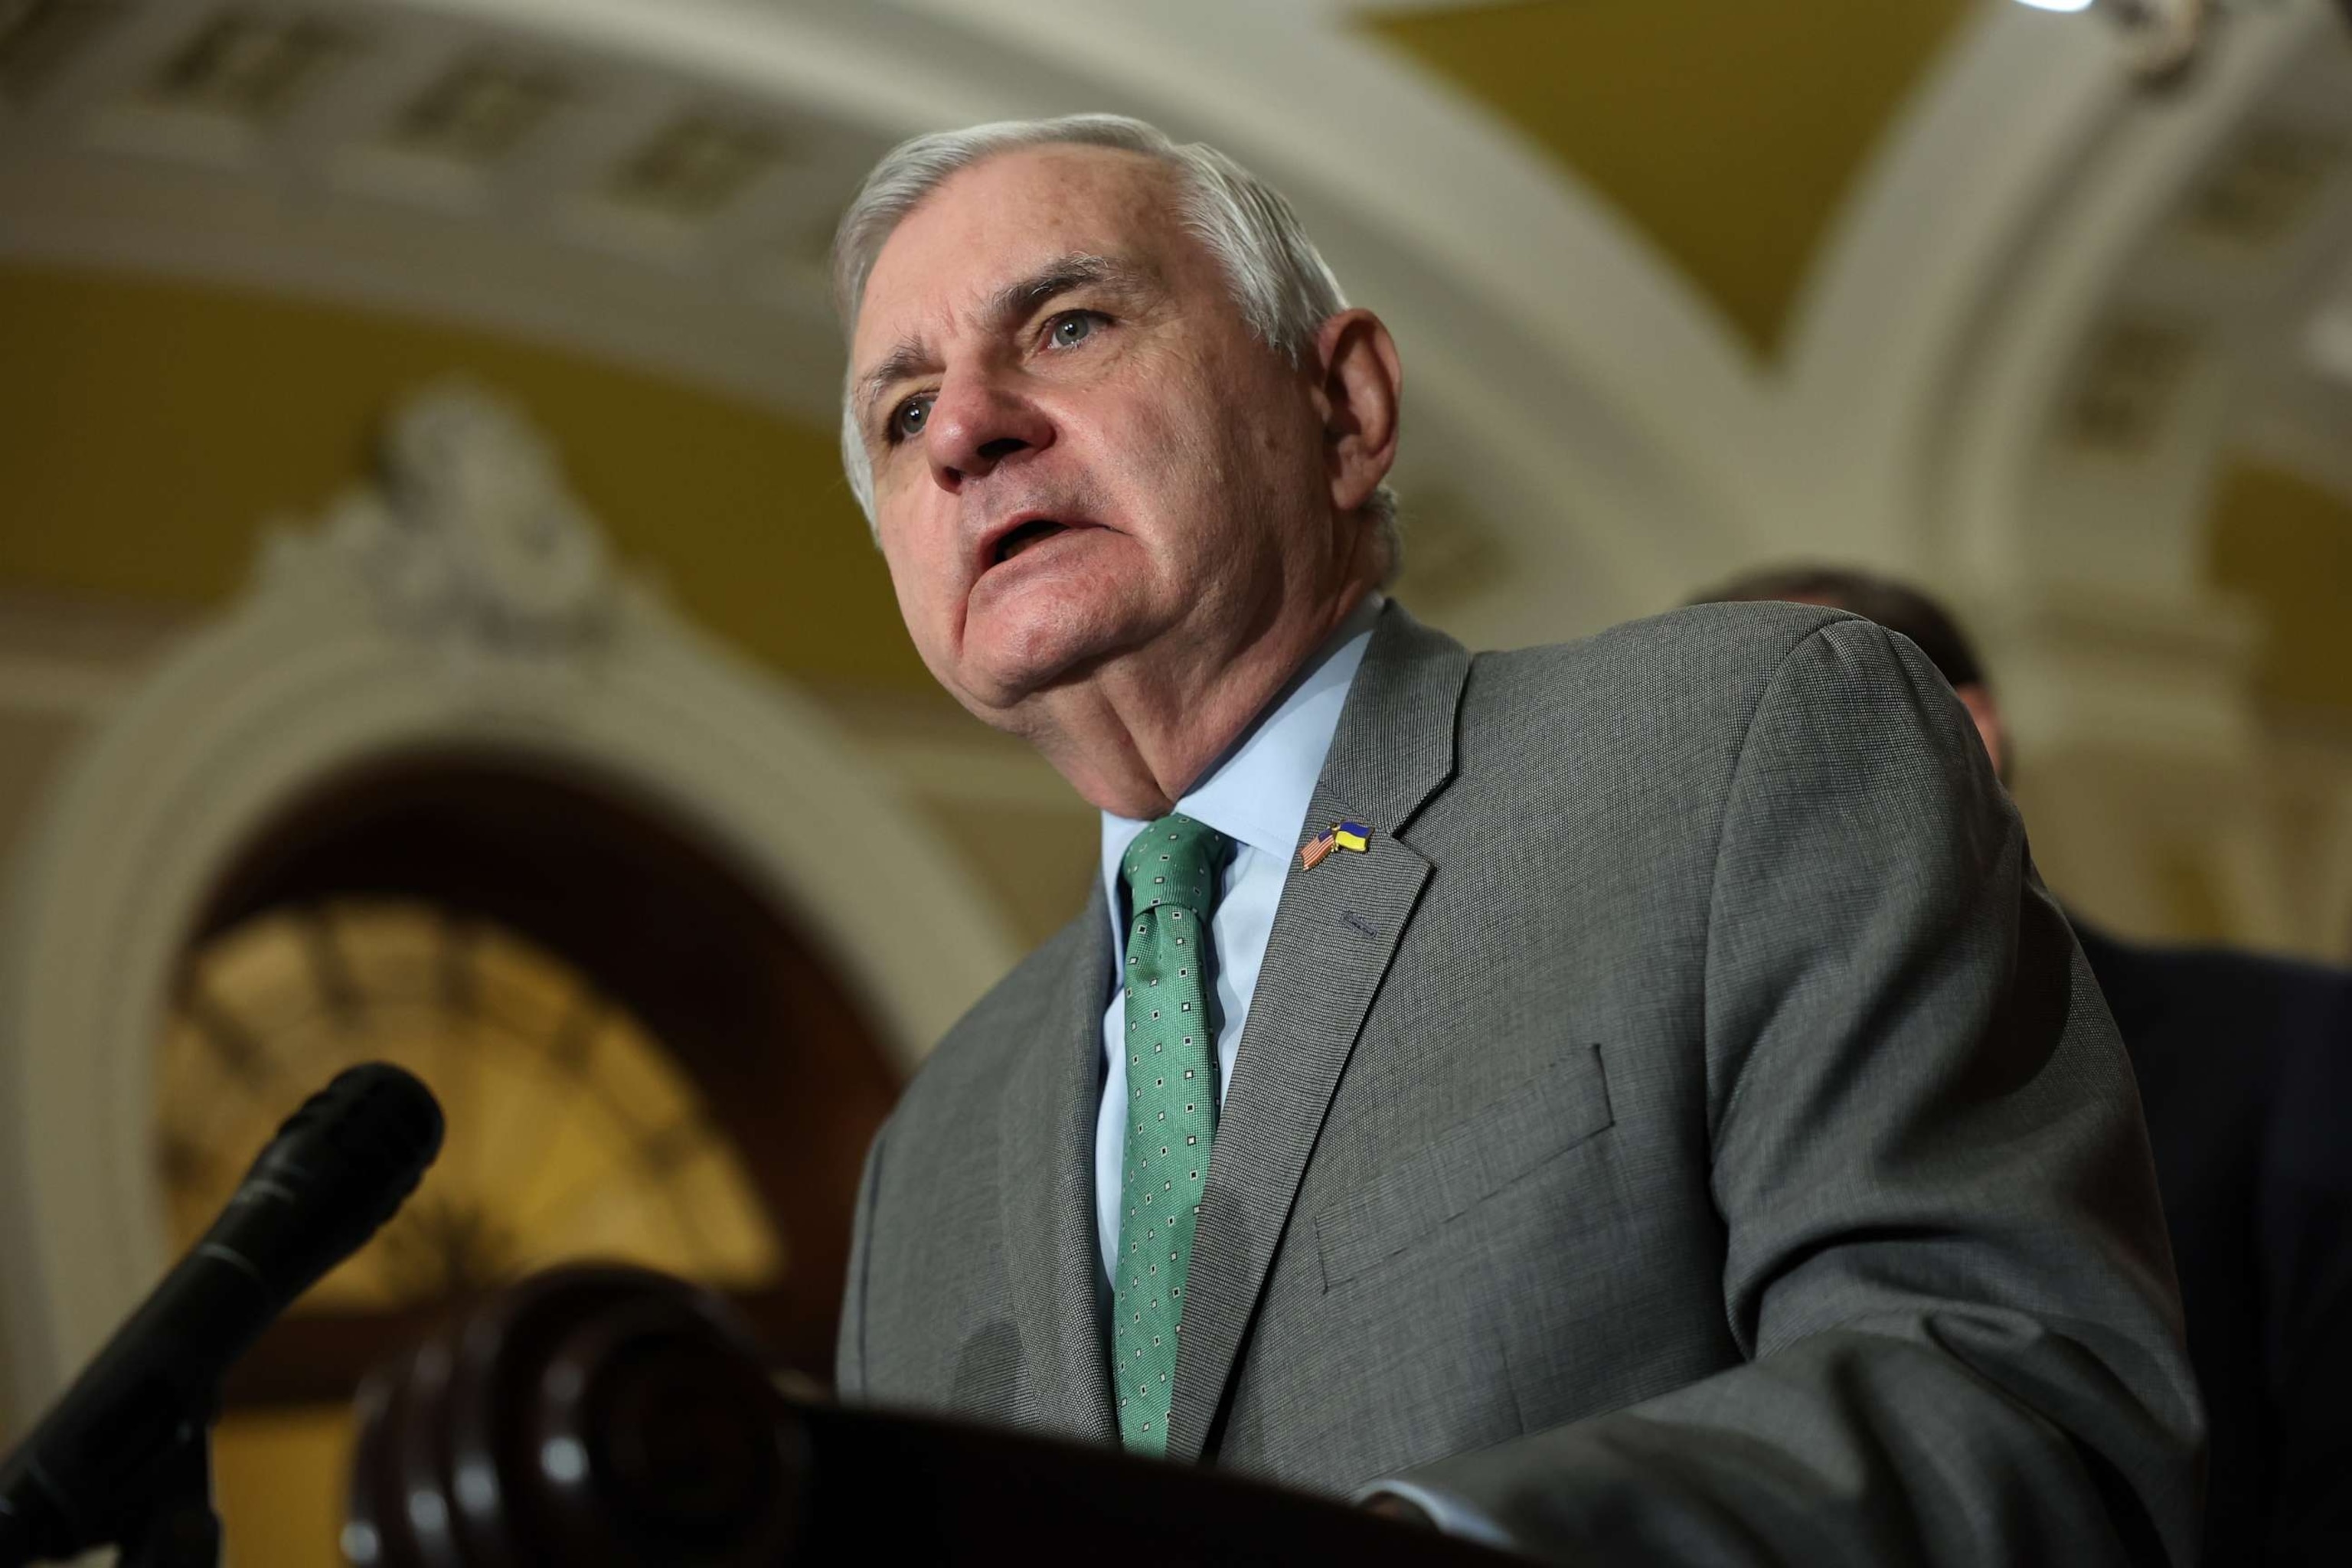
2244,1064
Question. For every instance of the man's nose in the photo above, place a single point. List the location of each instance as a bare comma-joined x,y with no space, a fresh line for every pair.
975,425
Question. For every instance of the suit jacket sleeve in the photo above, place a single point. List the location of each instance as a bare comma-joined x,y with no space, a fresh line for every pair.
849,1356
1945,1262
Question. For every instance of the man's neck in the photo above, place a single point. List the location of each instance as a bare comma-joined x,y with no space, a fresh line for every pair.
1132,740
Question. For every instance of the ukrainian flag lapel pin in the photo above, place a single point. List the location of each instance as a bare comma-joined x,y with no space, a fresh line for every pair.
1349,835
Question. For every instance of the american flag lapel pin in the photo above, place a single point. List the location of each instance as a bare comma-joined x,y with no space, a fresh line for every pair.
1348,836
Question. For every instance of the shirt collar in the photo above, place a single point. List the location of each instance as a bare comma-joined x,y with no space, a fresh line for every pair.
1259,794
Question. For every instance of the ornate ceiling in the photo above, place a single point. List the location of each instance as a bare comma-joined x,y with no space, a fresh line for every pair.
1922,283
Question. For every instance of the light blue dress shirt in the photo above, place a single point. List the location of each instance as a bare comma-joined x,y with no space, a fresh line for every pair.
1257,797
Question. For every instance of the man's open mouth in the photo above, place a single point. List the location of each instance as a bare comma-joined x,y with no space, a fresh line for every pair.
1027,534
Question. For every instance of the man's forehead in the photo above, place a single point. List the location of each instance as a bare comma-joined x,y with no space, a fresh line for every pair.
997,222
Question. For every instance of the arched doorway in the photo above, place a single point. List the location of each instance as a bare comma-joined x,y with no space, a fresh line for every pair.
639,1058
443,733
487,915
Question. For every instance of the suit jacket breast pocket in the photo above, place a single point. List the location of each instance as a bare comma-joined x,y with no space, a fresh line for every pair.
1552,1112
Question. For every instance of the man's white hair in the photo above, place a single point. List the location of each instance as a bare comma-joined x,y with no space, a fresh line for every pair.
1279,279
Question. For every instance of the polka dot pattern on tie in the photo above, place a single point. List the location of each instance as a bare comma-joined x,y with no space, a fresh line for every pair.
1171,873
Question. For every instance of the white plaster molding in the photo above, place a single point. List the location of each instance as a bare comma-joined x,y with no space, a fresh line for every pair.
58,688
415,621
2166,680
853,61
2301,429
1961,180
2020,201
1996,454
2328,344
468,537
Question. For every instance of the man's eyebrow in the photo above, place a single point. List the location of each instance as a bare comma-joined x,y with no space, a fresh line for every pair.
1016,301
908,358
1008,306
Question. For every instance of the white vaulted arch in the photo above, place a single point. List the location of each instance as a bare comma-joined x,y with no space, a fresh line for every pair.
2063,301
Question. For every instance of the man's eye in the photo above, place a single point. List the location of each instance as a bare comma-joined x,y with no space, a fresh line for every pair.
1071,328
907,420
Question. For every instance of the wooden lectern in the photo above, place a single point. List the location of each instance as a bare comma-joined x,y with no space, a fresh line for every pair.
606,1416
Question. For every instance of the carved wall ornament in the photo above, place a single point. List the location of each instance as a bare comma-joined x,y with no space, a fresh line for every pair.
468,532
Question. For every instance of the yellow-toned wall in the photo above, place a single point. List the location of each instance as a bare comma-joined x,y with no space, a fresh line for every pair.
1729,134
148,427
281,1480
2286,543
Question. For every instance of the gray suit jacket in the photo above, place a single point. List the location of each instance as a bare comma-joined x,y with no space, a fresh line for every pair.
1689,1134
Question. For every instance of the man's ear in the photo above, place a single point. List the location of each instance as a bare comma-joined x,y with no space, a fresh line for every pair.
1977,700
1362,384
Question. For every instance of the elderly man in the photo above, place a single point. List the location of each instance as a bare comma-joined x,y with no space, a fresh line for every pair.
1472,1082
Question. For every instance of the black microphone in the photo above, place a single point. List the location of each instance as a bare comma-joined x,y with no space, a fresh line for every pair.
336,1171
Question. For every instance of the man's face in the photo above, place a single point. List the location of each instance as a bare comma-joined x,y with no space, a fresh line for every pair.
1081,453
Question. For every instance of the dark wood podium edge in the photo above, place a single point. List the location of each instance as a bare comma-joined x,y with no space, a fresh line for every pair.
879,1481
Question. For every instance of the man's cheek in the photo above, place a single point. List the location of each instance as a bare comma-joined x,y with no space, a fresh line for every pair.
913,587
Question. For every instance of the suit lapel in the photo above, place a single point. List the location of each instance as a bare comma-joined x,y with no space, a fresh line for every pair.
1046,1175
1334,933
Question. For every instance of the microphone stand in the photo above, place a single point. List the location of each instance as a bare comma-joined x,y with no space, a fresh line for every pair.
123,1458
161,1519
174,1524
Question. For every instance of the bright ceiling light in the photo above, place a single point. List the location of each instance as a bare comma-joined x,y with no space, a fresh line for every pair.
2058,5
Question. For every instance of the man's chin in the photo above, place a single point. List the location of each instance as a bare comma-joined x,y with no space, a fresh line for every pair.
1009,660
1002,687
1000,694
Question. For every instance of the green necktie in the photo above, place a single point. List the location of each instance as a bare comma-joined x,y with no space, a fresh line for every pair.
1170,872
